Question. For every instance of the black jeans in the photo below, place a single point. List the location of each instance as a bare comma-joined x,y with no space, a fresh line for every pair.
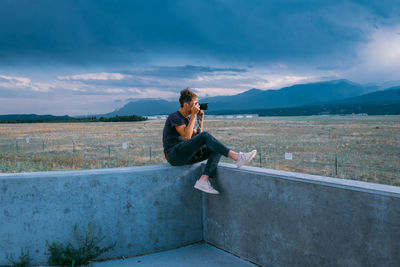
200,147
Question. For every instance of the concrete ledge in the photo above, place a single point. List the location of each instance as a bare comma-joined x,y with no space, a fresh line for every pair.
144,209
290,219
323,180
92,171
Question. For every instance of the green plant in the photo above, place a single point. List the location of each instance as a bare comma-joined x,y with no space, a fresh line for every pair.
24,259
88,249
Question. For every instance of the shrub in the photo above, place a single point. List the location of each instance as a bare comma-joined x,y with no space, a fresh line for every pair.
24,259
68,255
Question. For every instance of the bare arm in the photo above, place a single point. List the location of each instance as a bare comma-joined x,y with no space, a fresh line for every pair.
187,130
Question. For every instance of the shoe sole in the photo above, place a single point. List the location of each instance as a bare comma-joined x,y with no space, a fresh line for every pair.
204,190
252,157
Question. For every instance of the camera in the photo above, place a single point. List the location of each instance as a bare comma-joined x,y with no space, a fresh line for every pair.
204,106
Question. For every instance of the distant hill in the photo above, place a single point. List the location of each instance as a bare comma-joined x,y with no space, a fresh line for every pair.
386,102
326,109
387,96
292,96
145,107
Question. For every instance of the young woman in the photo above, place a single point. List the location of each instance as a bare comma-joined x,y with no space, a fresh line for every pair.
183,144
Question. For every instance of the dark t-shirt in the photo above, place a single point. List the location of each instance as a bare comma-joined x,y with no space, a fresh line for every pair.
171,137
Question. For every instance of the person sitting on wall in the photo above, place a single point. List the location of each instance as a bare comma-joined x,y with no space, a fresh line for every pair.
183,144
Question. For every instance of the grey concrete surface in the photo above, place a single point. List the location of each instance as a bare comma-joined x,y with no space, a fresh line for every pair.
143,209
269,217
199,254
276,218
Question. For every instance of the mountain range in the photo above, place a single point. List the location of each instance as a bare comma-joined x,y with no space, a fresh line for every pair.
330,97
378,103
300,95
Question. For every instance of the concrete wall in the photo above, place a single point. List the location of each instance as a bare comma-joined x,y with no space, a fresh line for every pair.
276,218
269,217
144,209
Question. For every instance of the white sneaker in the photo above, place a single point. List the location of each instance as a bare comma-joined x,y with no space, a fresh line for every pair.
245,157
205,187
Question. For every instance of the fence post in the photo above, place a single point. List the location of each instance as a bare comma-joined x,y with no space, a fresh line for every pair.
336,164
43,145
109,151
260,159
16,144
150,153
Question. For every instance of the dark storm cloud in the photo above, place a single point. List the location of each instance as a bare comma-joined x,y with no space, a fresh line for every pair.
187,71
155,76
113,32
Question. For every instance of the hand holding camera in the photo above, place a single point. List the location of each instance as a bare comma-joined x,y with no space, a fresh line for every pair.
198,109
195,108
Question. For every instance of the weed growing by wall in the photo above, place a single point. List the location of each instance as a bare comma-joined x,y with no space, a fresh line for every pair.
88,249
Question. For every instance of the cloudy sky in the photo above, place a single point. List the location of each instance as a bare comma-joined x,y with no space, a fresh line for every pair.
92,56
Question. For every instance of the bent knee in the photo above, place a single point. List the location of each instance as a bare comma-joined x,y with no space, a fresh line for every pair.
205,133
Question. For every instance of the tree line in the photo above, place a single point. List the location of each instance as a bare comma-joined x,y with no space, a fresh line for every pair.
72,119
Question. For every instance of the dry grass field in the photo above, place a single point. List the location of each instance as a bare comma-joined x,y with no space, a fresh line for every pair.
364,148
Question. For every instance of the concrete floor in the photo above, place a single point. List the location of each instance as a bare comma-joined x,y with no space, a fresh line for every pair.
199,254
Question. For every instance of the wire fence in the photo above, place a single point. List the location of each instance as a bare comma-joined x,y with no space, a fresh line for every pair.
330,151
37,154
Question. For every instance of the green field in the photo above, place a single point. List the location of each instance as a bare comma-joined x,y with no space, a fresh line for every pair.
364,148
